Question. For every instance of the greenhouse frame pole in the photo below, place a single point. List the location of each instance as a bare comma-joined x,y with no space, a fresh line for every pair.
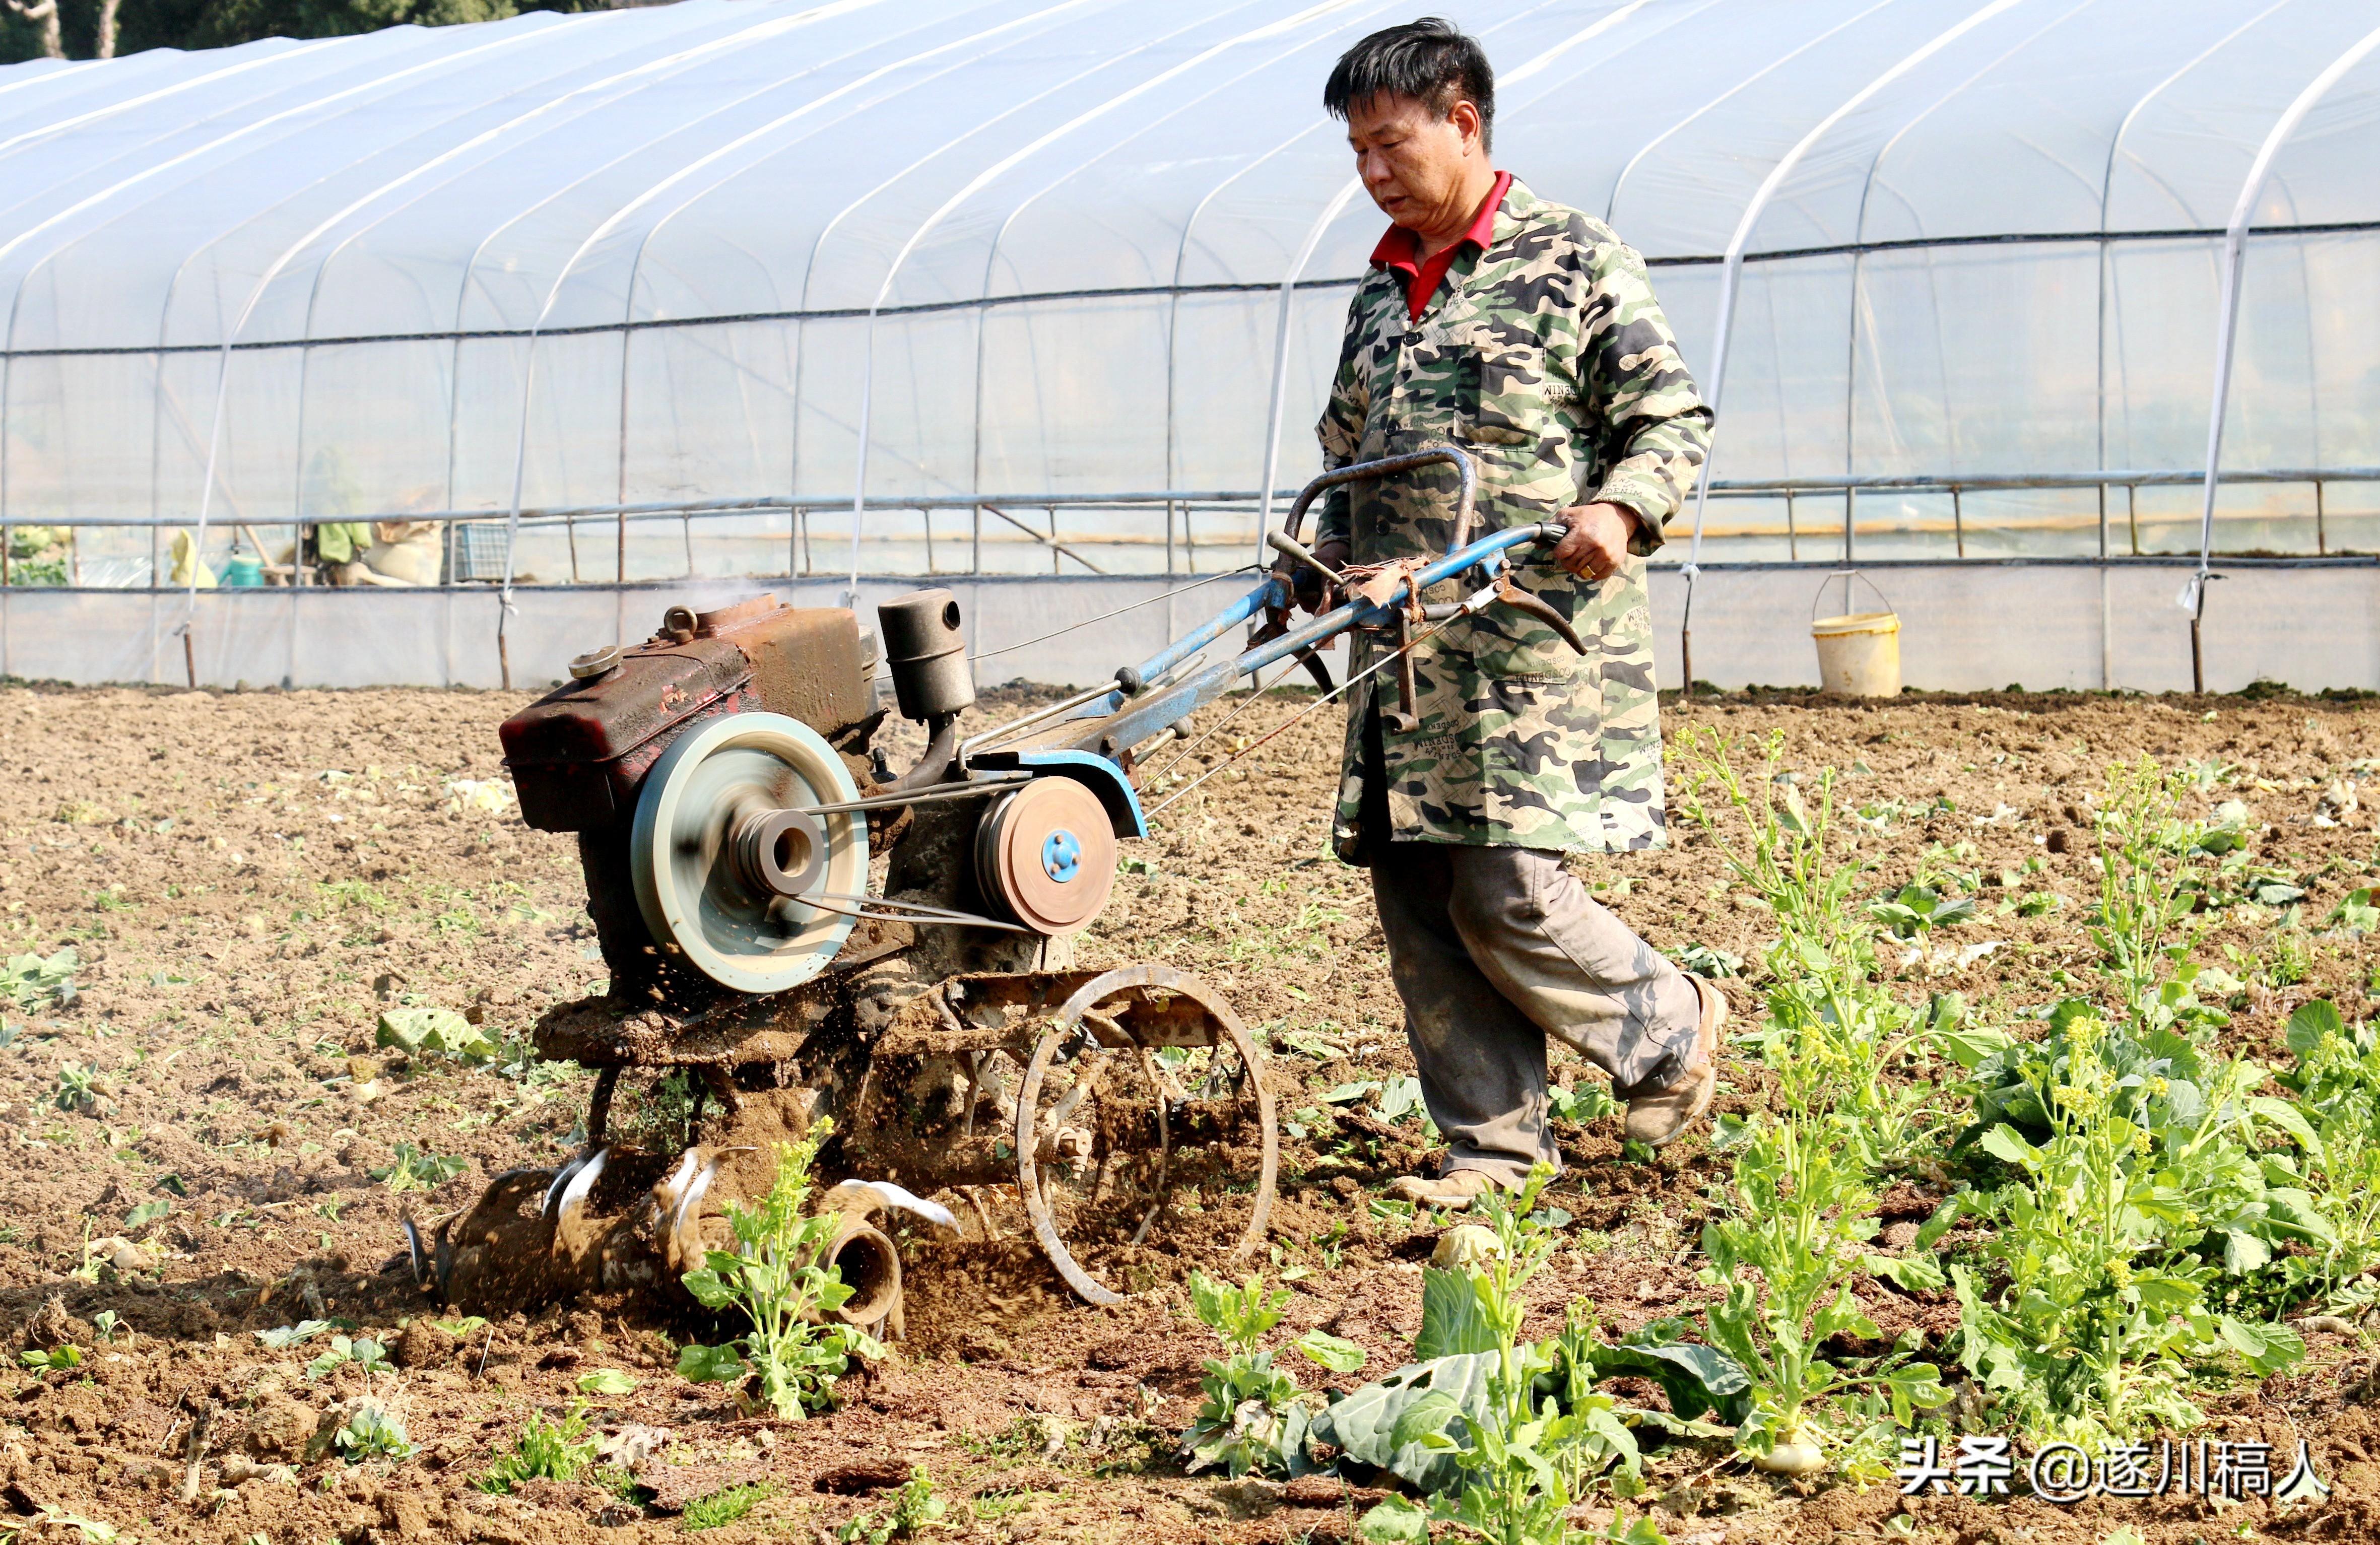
2107,193
1732,276
1619,183
1279,395
993,173
613,222
154,169
2227,328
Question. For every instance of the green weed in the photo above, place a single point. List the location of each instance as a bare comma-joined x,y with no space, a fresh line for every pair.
1829,1021
2144,1199
371,1434
914,1509
32,981
723,1508
544,1451
774,1278
410,1168
1254,1416
368,1355
353,894
53,1359
76,1089
1502,1434
1796,1234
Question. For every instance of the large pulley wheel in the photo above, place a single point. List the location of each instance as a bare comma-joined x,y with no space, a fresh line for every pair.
1046,855
731,867
1144,1120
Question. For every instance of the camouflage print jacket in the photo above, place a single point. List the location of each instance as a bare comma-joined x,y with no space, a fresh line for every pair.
1547,359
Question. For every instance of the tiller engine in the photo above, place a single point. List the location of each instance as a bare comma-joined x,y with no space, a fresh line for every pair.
808,932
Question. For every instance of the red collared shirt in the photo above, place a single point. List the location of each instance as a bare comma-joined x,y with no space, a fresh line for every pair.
1422,277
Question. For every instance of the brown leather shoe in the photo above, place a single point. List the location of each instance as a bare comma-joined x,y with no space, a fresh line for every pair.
1454,1188
1654,1119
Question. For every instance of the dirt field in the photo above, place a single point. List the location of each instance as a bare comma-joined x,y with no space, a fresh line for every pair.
205,1143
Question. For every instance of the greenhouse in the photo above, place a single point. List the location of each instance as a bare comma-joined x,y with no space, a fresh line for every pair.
2041,312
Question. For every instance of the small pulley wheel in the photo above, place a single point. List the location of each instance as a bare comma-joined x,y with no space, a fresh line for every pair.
731,868
1047,855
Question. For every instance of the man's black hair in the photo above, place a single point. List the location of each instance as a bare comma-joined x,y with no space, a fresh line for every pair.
1430,60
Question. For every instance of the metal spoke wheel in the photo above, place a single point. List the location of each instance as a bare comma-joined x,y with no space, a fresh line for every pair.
1144,1122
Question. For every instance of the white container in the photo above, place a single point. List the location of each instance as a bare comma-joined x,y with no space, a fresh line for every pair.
1859,652
1859,655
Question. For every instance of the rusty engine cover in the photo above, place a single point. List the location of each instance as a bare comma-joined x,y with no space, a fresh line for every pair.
579,755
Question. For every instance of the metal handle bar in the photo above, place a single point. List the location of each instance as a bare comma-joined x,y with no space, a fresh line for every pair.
1357,471
1132,722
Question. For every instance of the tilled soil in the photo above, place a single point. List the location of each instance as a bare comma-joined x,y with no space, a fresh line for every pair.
206,1144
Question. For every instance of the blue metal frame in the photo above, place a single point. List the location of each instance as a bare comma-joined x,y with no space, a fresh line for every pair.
1128,722
1133,712
1101,776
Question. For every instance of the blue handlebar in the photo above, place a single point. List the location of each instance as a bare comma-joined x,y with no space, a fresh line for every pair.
1125,722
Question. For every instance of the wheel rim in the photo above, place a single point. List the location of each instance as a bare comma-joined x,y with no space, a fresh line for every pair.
1110,1195
694,882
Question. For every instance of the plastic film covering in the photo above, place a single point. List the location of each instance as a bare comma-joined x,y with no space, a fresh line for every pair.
974,285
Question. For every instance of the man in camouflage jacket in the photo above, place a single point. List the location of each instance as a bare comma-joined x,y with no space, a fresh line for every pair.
1524,334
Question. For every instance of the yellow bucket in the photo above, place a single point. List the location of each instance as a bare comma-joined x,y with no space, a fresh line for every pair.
1859,652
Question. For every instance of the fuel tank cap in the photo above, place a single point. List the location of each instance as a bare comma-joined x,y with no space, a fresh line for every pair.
596,663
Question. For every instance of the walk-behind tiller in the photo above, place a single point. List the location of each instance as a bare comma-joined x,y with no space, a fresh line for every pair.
731,811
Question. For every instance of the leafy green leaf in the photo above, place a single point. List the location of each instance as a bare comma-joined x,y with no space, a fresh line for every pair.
2003,1142
1399,1097
1968,1044
426,1029
710,1365
1338,1356
1426,1420
1842,1317
1585,1104
1913,1387
2312,1023
708,1289
1911,1273
2160,1293
1453,1320
1240,1315
1394,1522
2268,1348
2243,1252
1365,1423
606,1380
2359,912
1695,1378
2287,1117
1930,1233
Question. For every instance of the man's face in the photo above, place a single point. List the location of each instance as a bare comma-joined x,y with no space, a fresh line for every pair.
1412,165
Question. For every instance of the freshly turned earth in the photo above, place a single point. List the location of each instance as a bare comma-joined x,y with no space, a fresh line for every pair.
248,879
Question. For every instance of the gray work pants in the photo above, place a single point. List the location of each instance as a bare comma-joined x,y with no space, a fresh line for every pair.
1494,948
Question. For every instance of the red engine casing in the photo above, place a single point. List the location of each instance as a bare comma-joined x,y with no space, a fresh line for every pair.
579,755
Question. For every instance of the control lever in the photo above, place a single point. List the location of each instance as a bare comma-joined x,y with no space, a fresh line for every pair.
1290,547
1277,621
1404,720
1539,607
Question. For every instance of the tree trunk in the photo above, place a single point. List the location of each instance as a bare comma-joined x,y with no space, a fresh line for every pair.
46,13
107,29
